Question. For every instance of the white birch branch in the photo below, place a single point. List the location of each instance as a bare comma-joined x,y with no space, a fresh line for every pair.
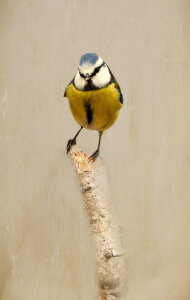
105,233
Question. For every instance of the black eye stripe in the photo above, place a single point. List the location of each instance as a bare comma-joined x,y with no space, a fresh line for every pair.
96,70
82,75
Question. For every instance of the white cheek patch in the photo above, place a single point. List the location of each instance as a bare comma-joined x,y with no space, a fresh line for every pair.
79,82
102,78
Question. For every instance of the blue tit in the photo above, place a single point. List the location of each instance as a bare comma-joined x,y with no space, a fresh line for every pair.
94,96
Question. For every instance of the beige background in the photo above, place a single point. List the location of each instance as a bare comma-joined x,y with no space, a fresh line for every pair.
45,245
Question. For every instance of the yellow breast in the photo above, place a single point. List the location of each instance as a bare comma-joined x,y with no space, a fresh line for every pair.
95,109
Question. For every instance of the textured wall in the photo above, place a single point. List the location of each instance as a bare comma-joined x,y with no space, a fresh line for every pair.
45,244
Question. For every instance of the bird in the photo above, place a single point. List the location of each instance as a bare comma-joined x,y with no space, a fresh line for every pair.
95,98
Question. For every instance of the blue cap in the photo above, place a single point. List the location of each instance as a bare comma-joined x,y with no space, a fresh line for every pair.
89,58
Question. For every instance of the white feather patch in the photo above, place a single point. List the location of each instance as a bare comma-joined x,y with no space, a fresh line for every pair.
79,82
102,78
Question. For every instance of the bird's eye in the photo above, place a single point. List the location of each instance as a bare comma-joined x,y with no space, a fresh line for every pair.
82,75
97,69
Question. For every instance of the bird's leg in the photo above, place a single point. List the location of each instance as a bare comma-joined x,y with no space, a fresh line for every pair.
72,142
94,155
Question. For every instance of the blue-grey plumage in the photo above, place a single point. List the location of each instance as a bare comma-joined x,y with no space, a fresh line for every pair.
88,58
94,96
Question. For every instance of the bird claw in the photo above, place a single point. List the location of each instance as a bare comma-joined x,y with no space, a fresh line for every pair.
70,144
94,155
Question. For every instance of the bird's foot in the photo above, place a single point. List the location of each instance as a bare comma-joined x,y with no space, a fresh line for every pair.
94,155
70,143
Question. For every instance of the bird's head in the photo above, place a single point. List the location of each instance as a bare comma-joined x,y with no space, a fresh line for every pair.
92,69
